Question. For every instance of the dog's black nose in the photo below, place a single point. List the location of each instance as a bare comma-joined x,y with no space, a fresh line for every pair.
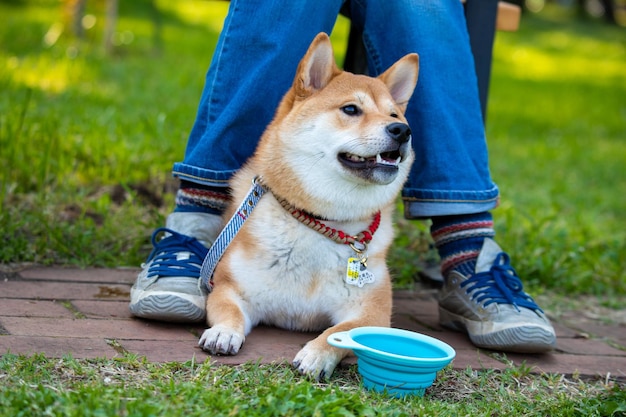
400,132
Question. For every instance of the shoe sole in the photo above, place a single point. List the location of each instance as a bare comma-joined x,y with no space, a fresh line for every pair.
165,306
531,338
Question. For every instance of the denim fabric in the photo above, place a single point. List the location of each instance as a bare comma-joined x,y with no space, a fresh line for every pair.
254,64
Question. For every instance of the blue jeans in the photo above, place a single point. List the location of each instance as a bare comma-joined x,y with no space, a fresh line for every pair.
255,61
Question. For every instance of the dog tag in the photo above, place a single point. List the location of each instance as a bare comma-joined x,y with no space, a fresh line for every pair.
365,277
357,273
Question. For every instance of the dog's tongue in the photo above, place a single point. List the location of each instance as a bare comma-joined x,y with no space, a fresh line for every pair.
387,161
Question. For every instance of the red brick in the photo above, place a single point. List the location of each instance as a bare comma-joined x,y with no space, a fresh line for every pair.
269,345
165,350
32,308
63,291
475,359
620,338
457,340
600,330
38,324
103,309
587,347
109,329
101,275
416,295
408,322
591,365
416,307
263,344
564,331
56,347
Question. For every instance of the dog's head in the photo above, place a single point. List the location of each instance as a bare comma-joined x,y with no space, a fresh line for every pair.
341,133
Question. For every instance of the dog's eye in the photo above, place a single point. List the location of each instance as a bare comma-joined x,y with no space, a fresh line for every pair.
351,110
394,115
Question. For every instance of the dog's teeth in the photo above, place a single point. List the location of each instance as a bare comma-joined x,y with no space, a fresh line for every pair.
355,158
380,160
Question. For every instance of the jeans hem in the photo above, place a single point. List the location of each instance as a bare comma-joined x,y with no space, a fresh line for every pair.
419,204
201,175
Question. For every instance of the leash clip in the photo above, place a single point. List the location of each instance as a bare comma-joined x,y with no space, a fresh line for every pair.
360,249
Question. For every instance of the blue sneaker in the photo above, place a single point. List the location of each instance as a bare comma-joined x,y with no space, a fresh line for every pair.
167,288
492,307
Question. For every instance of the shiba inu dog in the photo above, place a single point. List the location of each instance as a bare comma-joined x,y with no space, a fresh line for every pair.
312,256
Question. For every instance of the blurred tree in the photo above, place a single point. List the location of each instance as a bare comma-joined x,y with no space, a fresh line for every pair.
607,12
110,23
584,8
73,12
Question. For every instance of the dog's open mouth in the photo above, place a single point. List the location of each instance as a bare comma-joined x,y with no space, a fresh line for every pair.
381,168
382,160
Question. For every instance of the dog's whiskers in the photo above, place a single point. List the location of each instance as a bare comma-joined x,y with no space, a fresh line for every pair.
314,159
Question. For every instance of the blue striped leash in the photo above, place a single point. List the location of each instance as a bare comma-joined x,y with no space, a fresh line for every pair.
229,232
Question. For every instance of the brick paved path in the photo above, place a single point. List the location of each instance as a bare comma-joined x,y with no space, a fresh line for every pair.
83,312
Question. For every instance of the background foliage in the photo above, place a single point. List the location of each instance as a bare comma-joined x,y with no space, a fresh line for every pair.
87,139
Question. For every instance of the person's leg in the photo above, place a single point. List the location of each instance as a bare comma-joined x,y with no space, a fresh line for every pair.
253,65
450,174
450,180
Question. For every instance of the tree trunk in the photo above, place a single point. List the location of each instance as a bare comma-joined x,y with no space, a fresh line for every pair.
74,12
110,25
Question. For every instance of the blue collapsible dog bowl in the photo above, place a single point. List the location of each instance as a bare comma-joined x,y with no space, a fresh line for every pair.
397,361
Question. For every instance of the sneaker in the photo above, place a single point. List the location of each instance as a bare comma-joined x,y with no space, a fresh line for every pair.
492,307
167,287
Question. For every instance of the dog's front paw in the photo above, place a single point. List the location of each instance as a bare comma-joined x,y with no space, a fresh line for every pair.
316,363
221,340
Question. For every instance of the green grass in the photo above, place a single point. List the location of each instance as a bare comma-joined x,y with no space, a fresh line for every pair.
76,123
87,140
130,386
556,128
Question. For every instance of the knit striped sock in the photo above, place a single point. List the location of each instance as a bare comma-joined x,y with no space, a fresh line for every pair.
459,240
192,197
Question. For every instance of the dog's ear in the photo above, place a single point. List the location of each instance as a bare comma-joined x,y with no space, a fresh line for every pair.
317,67
401,79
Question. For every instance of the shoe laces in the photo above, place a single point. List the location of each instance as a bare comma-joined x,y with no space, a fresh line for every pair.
166,256
499,285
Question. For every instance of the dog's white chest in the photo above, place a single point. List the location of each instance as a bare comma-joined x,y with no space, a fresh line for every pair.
297,278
